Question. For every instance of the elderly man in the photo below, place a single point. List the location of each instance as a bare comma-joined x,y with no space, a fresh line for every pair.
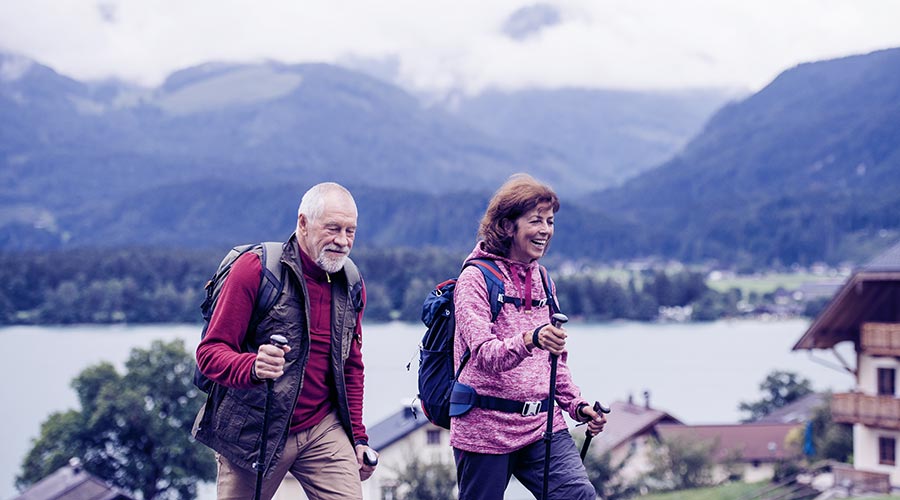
316,429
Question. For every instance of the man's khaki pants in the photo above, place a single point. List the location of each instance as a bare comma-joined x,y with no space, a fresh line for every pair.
321,458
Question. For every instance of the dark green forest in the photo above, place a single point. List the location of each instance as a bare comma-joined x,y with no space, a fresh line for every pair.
140,285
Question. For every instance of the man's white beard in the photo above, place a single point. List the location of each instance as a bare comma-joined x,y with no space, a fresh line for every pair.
329,262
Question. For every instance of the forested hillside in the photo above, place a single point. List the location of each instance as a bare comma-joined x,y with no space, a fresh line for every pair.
138,285
807,169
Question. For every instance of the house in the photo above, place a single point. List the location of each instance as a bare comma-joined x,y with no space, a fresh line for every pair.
630,434
405,435
72,482
750,451
866,312
398,438
800,411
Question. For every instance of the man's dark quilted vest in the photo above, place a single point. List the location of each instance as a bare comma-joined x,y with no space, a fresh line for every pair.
231,420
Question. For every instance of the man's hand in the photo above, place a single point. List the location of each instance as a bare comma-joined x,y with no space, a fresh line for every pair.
365,470
269,362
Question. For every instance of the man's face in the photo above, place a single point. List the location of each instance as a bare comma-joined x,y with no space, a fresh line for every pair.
328,238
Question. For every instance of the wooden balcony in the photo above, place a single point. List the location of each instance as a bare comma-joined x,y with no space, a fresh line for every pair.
881,339
882,412
860,481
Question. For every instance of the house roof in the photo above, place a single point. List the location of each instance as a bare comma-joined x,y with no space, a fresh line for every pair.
799,411
627,421
871,294
396,427
751,442
889,260
72,482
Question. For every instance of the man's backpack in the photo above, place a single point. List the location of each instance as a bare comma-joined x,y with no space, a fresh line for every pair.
270,286
436,375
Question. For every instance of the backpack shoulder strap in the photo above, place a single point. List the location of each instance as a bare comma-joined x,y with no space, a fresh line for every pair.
550,290
270,282
354,283
493,278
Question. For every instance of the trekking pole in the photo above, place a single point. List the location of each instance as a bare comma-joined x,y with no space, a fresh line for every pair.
599,408
260,465
556,320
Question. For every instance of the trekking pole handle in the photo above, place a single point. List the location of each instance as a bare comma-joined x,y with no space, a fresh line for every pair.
559,319
278,340
370,457
601,408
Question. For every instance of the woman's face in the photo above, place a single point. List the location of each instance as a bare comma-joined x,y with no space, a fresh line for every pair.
531,234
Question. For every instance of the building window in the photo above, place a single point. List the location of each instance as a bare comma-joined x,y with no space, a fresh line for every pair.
886,381
887,451
434,436
388,492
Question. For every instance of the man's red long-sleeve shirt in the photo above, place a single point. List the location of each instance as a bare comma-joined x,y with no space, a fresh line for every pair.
220,358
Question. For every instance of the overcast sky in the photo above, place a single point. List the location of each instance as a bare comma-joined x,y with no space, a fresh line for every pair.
464,45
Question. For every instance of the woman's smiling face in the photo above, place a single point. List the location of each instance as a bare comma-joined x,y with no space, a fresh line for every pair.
531,234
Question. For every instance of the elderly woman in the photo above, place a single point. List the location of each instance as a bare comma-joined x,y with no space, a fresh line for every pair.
510,358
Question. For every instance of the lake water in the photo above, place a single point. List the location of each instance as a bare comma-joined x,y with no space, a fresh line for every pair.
698,373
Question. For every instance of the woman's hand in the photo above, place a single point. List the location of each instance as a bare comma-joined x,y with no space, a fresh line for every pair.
597,419
549,338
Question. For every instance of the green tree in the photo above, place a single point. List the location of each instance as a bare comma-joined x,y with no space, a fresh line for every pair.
833,441
680,463
133,430
606,476
421,480
780,388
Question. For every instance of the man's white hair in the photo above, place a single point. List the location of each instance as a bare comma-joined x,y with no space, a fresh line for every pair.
313,202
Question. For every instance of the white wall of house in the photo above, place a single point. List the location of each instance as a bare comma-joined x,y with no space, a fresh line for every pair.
865,439
417,444
429,443
866,452
636,453
867,378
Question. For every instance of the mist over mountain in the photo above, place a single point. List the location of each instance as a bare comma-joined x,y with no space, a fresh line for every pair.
804,170
608,136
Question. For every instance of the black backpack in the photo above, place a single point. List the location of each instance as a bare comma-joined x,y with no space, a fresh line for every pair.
436,376
270,287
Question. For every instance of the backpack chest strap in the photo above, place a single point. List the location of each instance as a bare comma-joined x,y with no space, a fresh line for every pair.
516,301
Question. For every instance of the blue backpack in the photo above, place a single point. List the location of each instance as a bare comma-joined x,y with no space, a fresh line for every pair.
436,377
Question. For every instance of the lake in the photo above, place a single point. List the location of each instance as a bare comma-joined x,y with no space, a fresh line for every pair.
699,373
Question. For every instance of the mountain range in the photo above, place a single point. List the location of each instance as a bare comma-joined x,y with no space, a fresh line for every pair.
803,170
808,168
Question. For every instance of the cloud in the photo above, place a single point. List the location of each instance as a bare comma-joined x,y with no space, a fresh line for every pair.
107,11
456,45
530,20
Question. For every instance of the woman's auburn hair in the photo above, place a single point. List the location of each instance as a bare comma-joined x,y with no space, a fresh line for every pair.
515,197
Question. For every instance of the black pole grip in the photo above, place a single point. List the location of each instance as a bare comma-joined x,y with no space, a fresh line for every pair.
559,319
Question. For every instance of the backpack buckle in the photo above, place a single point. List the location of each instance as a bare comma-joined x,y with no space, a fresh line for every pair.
531,408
